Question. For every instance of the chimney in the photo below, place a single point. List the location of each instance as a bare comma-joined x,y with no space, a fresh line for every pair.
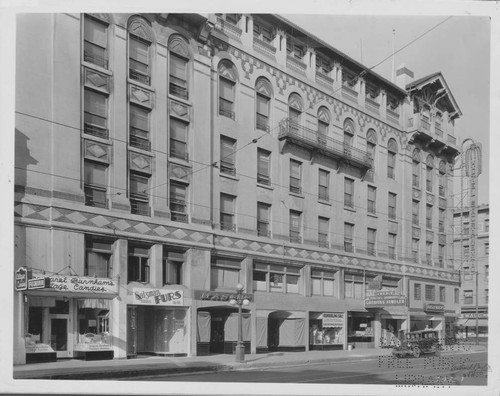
404,76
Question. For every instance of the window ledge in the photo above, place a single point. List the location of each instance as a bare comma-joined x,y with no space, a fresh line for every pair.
324,202
265,186
296,195
373,215
393,221
139,84
179,99
179,161
140,151
97,139
350,209
229,176
97,68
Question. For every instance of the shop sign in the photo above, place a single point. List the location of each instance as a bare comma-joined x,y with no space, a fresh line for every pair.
434,307
82,284
157,296
38,348
383,300
219,296
21,278
333,319
38,283
473,315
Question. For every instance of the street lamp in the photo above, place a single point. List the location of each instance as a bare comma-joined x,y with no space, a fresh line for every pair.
240,300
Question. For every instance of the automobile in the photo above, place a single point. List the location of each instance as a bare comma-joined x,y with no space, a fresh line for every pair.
416,343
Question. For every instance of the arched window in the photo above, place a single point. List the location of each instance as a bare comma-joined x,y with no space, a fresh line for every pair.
392,151
429,169
371,144
349,131
178,68
442,179
416,168
140,39
263,93
295,107
323,124
227,84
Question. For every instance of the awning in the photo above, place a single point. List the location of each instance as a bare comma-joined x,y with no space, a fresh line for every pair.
471,322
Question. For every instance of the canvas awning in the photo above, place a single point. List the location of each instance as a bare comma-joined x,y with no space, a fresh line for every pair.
471,322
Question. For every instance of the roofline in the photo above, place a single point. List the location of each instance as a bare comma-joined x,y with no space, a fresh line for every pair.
341,54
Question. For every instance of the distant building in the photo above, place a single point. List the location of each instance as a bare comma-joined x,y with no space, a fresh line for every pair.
161,159
461,249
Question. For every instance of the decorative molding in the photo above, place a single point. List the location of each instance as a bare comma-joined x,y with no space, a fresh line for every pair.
140,28
140,162
179,47
179,172
415,232
96,80
140,96
179,110
96,151
429,236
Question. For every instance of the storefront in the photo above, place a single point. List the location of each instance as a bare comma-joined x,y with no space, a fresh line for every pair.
466,326
66,316
157,323
326,330
361,329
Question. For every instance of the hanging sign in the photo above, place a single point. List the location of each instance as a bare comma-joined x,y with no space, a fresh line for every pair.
144,296
434,307
21,278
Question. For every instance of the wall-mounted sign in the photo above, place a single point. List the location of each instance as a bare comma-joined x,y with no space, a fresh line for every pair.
385,300
39,283
219,296
21,278
71,284
473,315
333,319
144,296
434,307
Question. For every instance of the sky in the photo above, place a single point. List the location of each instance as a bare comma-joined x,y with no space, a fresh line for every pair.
459,48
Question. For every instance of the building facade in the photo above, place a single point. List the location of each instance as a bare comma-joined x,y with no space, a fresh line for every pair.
161,159
473,295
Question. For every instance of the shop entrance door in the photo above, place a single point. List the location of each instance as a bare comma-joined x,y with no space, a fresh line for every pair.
59,334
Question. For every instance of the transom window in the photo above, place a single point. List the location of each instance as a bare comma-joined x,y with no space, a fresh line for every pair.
95,42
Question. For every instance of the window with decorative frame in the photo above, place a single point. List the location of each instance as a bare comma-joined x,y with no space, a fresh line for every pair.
95,41
227,87
139,62
139,127
371,146
178,76
392,150
263,93
295,107
95,113
95,184
179,139
323,124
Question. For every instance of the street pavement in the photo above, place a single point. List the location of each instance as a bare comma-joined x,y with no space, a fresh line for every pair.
170,366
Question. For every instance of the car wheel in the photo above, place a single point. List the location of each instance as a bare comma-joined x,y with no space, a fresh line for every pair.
416,352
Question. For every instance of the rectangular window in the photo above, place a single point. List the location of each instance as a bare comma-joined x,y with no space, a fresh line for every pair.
178,202
276,278
139,60
371,241
323,185
260,276
295,226
323,65
295,177
97,257
263,167
417,291
353,286
372,192
323,232
486,249
95,40
442,294
172,267
416,174
227,212
225,274
322,282
349,78
139,198
349,193
441,255
457,300
263,225
428,178
138,264
430,293
294,49
428,216
392,246
442,217
487,271
428,252
322,132
414,249
227,156
262,115
486,296
95,113
348,237
392,206
226,97
178,139
391,164
95,184
139,127
415,212
442,184
263,32
178,76
468,297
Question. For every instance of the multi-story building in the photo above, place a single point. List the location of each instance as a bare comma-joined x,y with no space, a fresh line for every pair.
473,295
161,159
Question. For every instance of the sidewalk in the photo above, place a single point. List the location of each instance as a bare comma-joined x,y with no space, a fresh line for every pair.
150,366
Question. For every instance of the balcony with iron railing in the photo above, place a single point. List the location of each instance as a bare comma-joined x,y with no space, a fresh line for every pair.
314,141
228,28
432,132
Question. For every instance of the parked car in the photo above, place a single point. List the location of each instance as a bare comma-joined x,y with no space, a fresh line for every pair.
415,343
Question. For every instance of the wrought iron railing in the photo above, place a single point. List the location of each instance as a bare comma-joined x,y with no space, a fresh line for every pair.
95,130
312,139
138,142
179,91
95,59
